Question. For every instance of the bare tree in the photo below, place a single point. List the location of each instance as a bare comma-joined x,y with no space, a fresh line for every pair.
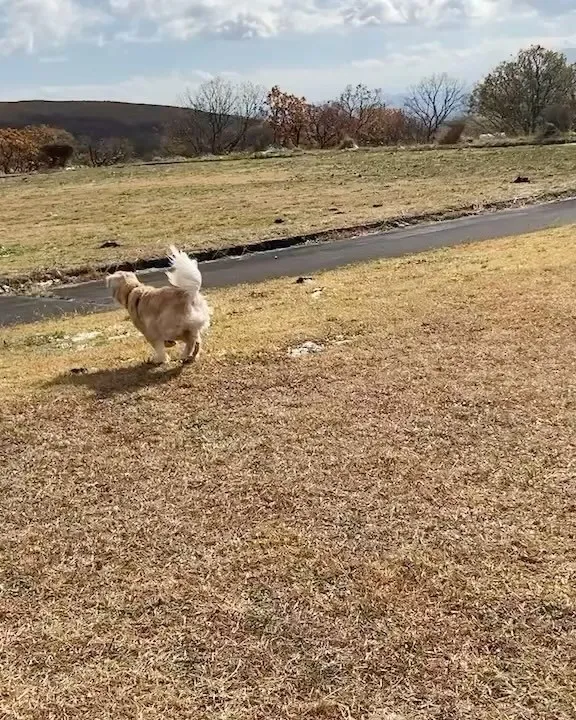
358,105
434,100
221,112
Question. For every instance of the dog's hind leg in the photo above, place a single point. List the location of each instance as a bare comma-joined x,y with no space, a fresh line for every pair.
196,350
191,347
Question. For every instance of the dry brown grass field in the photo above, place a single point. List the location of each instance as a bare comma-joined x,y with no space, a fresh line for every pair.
59,221
381,531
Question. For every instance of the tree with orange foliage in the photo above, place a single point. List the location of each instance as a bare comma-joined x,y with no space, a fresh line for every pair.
21,148
11,145
326,124
385,126
288,116
369,123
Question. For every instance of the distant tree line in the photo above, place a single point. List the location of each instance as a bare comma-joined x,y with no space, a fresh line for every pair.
533,94
235,116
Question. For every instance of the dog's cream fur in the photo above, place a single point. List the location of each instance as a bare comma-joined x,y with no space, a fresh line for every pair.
169,314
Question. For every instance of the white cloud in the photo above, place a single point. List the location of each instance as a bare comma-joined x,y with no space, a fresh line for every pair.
393,72
30,24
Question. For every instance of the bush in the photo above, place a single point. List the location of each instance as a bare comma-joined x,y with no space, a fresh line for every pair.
548,130
452,134
561,116
56,155
104,152
259,137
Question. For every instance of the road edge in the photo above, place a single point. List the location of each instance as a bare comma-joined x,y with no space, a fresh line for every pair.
28,283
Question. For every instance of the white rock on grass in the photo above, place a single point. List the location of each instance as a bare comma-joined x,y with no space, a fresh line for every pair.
307,348
85,336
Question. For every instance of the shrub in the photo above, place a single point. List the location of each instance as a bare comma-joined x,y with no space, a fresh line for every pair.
56,154
548,130
452,134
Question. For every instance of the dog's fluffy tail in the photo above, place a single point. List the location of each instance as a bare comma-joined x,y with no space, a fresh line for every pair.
184,272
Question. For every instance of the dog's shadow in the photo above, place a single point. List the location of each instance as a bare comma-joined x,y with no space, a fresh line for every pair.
119,380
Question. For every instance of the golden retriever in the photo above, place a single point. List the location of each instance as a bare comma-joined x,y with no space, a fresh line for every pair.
168,314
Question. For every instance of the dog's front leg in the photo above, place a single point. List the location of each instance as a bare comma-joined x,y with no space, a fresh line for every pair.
159,357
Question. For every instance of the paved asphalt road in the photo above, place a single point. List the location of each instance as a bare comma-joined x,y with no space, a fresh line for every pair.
305,259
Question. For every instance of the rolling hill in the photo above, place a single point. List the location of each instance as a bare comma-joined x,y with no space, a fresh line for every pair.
143,125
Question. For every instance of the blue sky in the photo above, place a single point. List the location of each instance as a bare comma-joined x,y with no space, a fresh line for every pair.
152,50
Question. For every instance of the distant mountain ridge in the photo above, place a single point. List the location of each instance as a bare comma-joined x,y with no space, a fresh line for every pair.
144,125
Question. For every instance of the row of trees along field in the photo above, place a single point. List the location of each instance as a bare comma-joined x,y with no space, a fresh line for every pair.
532,94
230,116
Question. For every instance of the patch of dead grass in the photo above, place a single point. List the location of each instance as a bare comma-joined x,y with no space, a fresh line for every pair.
59,221
382,531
